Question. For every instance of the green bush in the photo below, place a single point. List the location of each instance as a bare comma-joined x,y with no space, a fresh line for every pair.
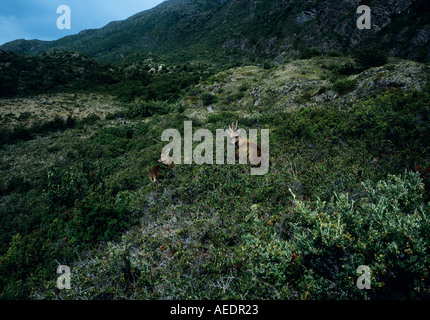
99,216
221,117
208,98
334,53
348,69
343,86
115,115
306,52
112,142
300,250
146,109
398,118
63,187
268,64
24,265
16,183
370,58
386,229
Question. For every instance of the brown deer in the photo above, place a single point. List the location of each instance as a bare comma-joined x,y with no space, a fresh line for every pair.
156,172
244,145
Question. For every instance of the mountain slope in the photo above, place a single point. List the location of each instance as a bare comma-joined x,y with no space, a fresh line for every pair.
80,195
236,30
349,177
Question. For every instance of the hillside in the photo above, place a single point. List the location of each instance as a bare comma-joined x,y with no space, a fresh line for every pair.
81,125
348,185
70,72
248,31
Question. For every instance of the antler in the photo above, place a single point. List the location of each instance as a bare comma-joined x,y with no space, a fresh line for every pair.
234,128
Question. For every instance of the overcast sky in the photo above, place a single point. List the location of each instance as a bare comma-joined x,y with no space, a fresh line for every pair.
37,19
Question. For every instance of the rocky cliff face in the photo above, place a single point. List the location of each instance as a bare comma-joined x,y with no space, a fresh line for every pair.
399,27
252,30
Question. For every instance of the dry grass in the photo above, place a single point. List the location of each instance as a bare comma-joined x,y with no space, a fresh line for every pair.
45,107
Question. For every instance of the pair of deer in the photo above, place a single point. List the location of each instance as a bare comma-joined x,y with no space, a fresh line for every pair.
235,138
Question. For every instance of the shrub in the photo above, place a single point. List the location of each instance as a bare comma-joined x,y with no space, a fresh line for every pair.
97,217
334,53
243,87
112,142
370,58
16,183
148,108
214,118
115,115
401,119
21,267
208,98
221,117
343,86
268,64
387,229
348,69
62,187
19,133
306,52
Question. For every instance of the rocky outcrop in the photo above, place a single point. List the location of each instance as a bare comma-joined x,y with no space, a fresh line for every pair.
333,25
423,36
303,83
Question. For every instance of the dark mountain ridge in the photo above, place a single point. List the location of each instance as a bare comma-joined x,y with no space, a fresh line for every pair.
239,30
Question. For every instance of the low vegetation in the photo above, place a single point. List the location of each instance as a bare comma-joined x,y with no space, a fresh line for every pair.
145,78
349,185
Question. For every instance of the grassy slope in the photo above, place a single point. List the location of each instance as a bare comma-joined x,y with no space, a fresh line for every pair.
81,196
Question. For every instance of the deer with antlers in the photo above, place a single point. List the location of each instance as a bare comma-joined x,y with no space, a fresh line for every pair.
156,172
244,146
